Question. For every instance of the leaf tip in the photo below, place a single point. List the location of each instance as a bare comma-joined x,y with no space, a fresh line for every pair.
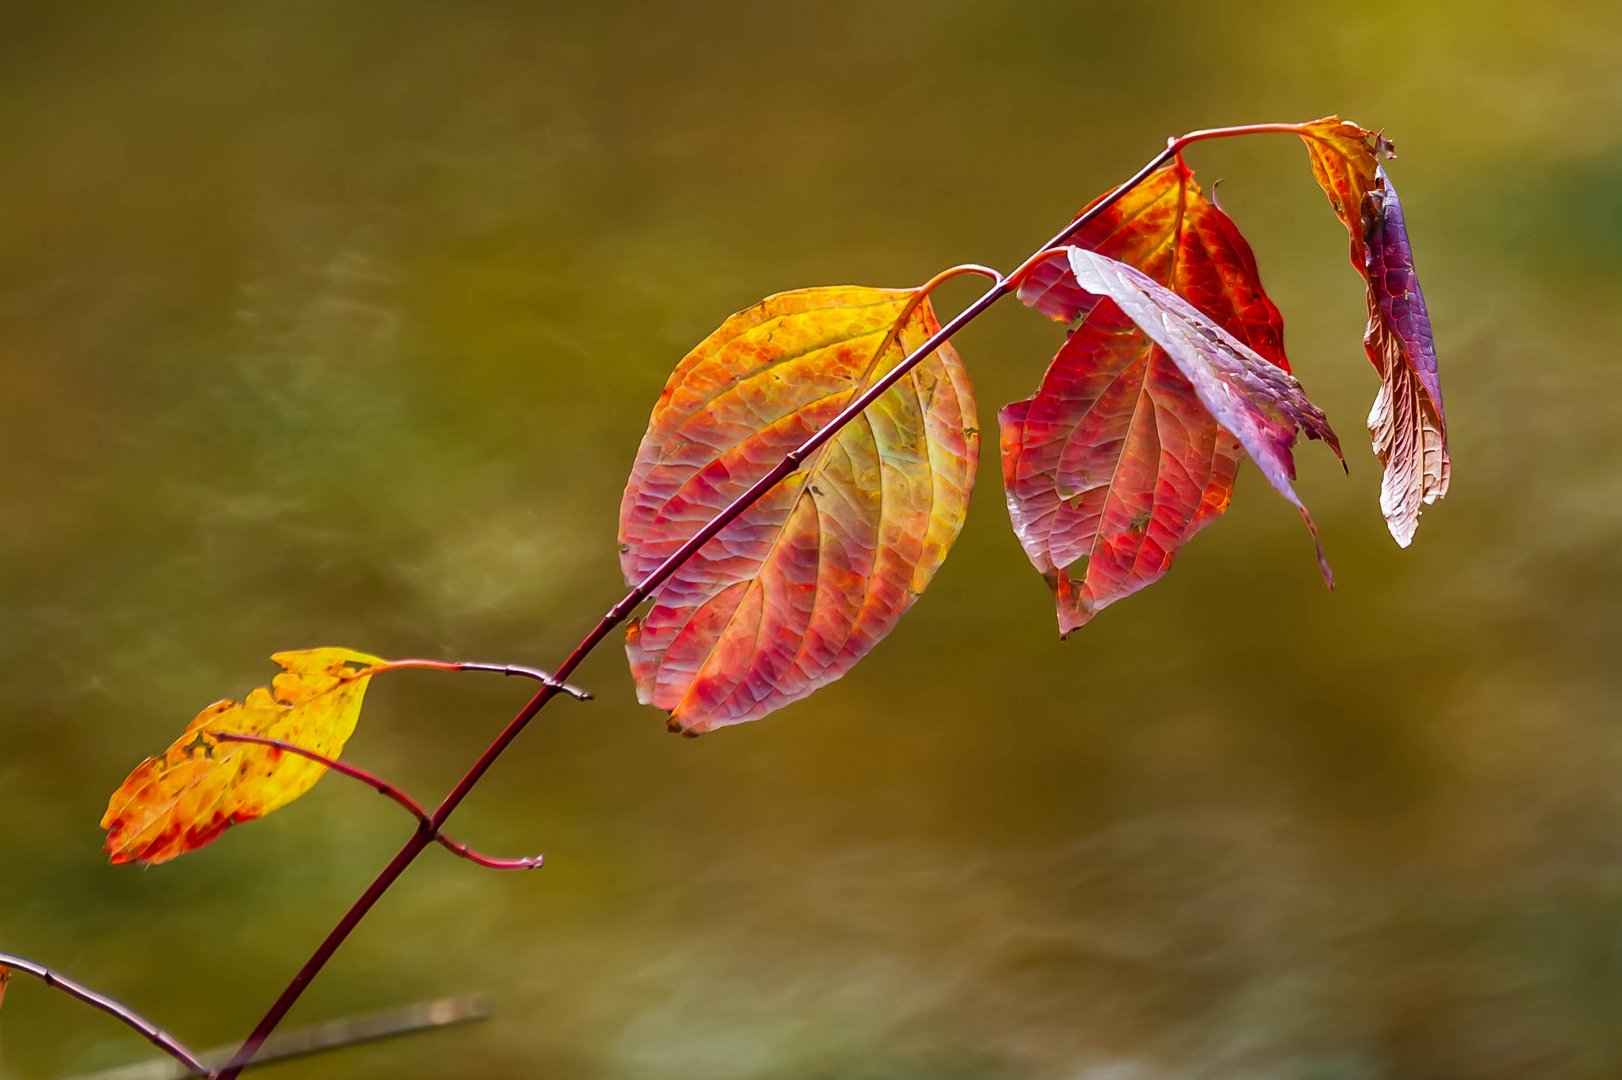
1402,528
1317,543
676,725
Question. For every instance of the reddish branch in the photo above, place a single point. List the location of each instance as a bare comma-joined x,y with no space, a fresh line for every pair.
645,588
119,1011
383,787
543,677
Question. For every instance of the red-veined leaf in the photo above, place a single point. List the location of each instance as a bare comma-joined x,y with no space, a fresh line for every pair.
798,588
1407,423
1113,465
200,787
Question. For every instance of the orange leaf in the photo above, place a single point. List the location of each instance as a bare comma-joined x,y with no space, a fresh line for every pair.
1408,425
1114,464
200,787
791,594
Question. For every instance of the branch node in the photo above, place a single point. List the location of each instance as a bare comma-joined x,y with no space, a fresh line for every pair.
546,678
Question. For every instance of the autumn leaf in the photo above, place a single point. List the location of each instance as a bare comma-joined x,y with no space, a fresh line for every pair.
798,588
200,787
1114,464
1407,423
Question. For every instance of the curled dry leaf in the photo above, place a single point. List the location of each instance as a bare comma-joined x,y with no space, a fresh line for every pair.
1407,423
1114,464
200,787
798,588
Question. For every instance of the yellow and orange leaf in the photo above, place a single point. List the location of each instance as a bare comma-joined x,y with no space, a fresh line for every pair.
791,594
200,787
1407,424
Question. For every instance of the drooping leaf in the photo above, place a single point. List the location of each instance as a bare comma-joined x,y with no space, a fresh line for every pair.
1114,464
200,787
1407,423
791,594
1260,404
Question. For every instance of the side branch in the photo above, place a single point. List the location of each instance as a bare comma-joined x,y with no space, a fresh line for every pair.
383,787
119,1011
545,678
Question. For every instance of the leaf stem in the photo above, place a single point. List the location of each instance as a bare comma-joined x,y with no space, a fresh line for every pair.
1230,132
616,614
116,1009
383,787
500,669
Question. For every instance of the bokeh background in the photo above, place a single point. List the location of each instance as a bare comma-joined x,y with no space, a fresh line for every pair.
339,324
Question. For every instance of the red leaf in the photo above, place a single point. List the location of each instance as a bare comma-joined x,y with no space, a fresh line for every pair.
1113,465
791,594
1408,426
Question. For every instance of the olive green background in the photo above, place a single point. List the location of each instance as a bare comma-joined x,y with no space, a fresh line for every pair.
339,323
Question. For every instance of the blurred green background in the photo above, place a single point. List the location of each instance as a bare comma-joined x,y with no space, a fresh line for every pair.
339,324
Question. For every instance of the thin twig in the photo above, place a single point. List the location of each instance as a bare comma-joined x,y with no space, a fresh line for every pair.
645,588
383,787
116,1009
321,1038
544,677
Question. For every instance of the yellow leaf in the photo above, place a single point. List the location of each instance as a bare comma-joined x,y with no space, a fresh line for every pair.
200,786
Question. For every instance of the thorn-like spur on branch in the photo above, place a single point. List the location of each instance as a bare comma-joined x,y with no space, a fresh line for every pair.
545,678
118,1010
383,787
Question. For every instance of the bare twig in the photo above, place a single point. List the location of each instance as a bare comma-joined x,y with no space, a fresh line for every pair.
320,1038
153,1034
544,677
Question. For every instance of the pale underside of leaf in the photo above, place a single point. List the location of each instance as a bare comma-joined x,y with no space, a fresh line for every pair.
791,594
